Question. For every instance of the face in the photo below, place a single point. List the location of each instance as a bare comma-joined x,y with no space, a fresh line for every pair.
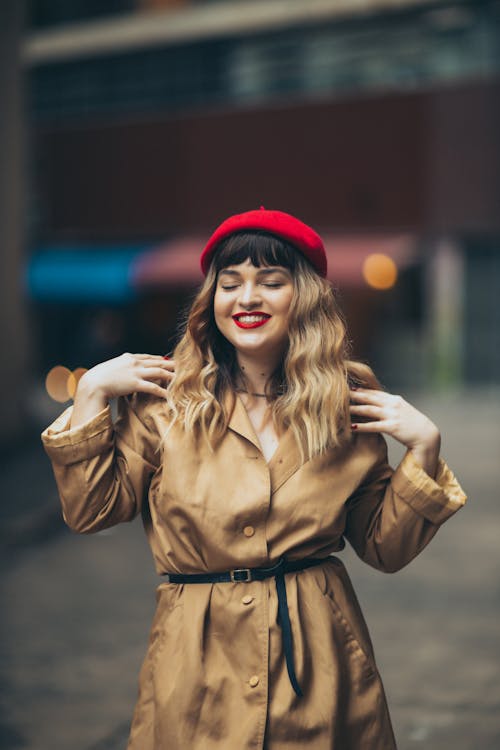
252,305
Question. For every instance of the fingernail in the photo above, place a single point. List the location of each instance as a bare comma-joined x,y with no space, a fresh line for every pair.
354,427
165,356
354,388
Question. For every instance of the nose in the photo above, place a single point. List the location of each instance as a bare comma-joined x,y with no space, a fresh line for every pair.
249,295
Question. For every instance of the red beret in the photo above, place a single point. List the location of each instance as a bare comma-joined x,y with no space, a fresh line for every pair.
279,223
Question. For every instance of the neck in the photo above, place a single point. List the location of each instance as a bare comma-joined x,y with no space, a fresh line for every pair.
255,372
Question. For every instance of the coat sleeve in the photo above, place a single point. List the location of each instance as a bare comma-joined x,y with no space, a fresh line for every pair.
103,470
394,513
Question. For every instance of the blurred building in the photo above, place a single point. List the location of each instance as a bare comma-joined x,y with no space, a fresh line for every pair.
375,121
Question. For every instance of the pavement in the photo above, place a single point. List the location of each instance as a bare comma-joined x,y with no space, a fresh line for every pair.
76,610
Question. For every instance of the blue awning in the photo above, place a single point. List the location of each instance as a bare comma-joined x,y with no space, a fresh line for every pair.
83,273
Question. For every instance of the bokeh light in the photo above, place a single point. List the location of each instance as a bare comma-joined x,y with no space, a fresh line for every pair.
56,383
73,379
380,271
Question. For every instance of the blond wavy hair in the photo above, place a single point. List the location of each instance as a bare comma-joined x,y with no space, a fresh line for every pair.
310,387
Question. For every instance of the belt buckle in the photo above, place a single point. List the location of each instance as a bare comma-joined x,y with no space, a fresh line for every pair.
246,571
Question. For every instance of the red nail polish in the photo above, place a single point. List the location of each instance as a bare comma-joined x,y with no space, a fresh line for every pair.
165,356
354,427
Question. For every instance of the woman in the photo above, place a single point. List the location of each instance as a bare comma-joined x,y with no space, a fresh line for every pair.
251,462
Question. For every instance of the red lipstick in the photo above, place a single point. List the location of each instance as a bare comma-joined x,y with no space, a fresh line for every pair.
254,324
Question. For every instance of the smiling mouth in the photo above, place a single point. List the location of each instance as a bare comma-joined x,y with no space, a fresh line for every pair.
250,321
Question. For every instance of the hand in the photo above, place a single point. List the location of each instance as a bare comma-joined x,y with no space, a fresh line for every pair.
129,373
396,417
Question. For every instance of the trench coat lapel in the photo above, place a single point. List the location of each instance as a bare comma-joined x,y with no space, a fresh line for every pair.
286,458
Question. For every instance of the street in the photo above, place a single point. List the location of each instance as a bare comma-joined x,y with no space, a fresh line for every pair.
76,610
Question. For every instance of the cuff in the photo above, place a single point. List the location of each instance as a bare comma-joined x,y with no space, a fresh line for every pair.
435,499
64,445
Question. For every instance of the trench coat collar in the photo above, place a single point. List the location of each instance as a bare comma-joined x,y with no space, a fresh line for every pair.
286,458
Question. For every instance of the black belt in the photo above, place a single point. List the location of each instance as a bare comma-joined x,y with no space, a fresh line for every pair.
258,574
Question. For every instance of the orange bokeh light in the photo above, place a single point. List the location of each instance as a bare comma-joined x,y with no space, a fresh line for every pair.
380,271
56,383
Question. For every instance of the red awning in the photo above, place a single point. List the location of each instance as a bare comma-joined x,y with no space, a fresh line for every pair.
170,264
177,262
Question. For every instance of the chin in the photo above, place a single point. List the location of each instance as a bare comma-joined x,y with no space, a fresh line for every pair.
258,348
248,348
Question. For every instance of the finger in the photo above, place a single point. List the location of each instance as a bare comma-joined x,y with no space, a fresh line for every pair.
154,359
366,410
149,373
168,364
369,426
146,386
371,396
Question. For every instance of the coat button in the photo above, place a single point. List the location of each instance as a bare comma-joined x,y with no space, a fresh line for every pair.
249,531
247,599
254,680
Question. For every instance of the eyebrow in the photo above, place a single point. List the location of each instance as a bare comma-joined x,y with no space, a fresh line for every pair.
260,272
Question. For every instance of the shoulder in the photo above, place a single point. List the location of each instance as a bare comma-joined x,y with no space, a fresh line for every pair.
369,451
143,407
139,425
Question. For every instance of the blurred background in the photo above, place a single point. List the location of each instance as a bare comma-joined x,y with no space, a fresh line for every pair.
129,130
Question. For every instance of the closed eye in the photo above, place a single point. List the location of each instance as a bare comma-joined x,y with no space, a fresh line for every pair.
271,286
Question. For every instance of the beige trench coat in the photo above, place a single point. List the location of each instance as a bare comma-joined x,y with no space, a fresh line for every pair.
214,675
